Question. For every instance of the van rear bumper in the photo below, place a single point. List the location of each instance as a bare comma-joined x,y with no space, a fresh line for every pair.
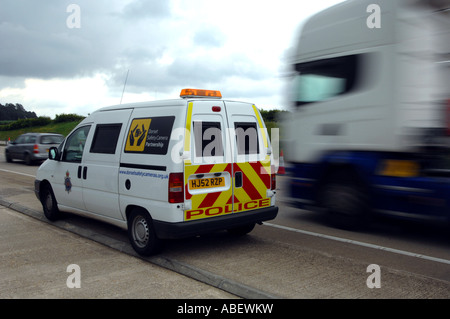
165,230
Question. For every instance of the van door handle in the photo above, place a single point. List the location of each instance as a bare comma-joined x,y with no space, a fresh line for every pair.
79,171
84,172
238,179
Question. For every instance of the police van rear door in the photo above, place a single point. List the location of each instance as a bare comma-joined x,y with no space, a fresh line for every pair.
251,161
208,168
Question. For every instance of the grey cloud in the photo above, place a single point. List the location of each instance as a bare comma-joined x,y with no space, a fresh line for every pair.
258,89
33,54
11,82
140,9
209,36
38,43
204,71
216,68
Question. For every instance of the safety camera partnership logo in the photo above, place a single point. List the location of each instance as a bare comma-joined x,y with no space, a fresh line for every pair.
137,134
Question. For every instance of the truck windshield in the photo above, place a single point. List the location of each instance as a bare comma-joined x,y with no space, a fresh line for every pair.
324,79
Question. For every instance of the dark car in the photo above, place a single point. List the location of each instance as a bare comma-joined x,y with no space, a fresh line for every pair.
31,147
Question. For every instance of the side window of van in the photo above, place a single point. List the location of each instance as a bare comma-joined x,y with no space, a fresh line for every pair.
208,139
246,138
105,138
73,149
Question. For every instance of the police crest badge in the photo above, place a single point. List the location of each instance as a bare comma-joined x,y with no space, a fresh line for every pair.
67,182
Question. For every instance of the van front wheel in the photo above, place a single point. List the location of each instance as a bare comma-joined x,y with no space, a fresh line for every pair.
49,204
141,233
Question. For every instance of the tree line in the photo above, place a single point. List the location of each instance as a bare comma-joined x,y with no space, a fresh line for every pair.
16,117
13,112
40,121
271,115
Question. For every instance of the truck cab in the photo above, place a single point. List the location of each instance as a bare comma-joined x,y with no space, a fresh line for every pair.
368,129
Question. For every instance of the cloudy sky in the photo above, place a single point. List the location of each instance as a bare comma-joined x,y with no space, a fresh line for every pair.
58,58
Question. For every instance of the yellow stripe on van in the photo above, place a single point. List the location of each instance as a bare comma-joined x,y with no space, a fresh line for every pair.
198,199
187,140
222,199
261,126
242,196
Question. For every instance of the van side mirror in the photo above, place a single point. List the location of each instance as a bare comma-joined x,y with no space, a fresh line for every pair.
53,154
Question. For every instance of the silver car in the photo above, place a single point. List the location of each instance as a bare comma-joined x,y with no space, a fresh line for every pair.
32,147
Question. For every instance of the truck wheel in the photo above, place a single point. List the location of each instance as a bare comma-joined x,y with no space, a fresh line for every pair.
345,202
49,204
241,230
141,233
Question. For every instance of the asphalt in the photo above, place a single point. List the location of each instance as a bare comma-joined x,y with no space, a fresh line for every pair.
37,261
35,256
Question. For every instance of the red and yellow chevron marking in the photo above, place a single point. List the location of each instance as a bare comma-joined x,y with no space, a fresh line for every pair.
256,181
252,194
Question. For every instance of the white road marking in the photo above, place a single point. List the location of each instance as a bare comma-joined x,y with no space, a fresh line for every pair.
8,171
359,243
343,240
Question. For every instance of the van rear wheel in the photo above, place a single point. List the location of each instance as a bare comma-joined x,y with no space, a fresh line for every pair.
142,234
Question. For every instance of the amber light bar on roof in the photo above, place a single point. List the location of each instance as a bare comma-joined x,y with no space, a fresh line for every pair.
200,93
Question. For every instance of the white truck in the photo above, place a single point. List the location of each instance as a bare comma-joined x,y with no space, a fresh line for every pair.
368,132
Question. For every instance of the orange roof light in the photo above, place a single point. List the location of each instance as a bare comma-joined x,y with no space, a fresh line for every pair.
200,93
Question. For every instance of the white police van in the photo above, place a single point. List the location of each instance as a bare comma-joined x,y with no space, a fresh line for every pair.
165,169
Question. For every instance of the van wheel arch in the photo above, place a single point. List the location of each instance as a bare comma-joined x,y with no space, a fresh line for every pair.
141,232
130,208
